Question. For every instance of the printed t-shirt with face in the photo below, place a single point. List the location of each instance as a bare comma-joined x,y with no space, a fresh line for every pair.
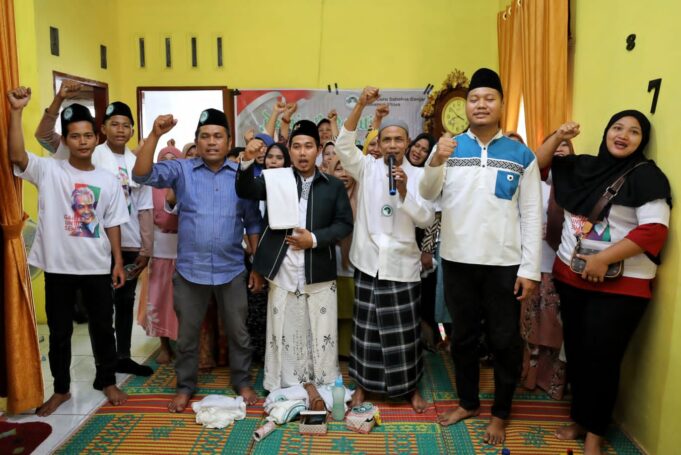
138,198
74,208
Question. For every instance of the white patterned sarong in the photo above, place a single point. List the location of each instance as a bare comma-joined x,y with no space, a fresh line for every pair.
302,336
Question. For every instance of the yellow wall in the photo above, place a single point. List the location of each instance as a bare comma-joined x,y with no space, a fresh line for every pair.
267,43
607,79
80,34
307,43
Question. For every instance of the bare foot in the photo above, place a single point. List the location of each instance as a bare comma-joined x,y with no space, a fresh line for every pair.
496,431
357,397
52,404
570,432
163,357
592,444
249,395
179,402
115,395
417,402
456,416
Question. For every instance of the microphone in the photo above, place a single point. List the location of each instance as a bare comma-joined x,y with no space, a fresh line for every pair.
391,178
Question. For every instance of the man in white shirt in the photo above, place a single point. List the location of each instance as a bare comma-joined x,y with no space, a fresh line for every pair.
136,235
75,199
386,354
491,246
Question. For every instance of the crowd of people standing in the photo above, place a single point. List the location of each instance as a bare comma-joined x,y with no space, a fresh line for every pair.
545,258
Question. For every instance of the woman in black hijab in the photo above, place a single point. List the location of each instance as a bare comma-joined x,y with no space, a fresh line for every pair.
599,314
419,149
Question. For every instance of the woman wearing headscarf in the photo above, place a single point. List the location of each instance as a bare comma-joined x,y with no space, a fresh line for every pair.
276,156
344,269
328,152
540,325
161,320
417,153
371,144
600,314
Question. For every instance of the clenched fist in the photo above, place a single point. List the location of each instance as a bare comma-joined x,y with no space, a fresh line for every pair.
279,107
163,124
383,110
445,148
69,89
19,98
369,95
567,131
252,150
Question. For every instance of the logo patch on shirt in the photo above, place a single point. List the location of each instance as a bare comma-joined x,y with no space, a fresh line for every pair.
387,210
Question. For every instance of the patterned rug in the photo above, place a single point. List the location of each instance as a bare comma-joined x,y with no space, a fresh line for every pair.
143,425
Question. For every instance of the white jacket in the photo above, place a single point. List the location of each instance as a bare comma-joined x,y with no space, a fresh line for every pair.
383,241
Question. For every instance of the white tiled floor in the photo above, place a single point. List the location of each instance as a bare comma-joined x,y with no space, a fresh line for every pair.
84,399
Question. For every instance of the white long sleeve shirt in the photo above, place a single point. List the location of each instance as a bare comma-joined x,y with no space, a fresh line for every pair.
491,204
383,241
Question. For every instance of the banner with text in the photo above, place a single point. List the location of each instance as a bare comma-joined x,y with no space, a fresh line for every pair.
253,108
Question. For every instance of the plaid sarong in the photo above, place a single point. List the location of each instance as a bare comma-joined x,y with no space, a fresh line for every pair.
386,354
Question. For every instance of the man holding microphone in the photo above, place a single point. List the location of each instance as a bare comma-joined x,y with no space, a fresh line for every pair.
386,355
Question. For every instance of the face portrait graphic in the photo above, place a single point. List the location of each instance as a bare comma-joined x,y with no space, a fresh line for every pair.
84,203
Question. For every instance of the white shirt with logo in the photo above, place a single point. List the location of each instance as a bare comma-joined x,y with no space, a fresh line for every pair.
74,209
384,237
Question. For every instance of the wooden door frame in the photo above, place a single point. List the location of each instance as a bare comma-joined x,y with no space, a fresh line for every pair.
227,101
100,92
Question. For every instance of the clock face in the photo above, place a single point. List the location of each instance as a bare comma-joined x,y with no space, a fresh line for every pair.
454,115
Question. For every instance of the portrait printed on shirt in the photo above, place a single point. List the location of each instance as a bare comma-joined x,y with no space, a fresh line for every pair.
125,184
581,226
83,222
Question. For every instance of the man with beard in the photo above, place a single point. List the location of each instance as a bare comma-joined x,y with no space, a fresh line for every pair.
386,353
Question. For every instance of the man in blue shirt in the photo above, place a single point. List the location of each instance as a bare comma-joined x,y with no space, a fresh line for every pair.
210,261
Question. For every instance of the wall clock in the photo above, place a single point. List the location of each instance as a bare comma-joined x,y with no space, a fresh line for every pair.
445,109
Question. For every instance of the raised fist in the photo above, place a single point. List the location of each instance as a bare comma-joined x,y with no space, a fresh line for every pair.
445,148
369,95
249,134
279,107
69,89
163,124
382,111
567,131
291,108
19,98
252,150
332,115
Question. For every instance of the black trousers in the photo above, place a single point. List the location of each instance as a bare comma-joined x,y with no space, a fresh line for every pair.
597,328
60,294
124,302
428,290
475,292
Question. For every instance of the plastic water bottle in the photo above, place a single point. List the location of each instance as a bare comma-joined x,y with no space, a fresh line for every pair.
338,392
